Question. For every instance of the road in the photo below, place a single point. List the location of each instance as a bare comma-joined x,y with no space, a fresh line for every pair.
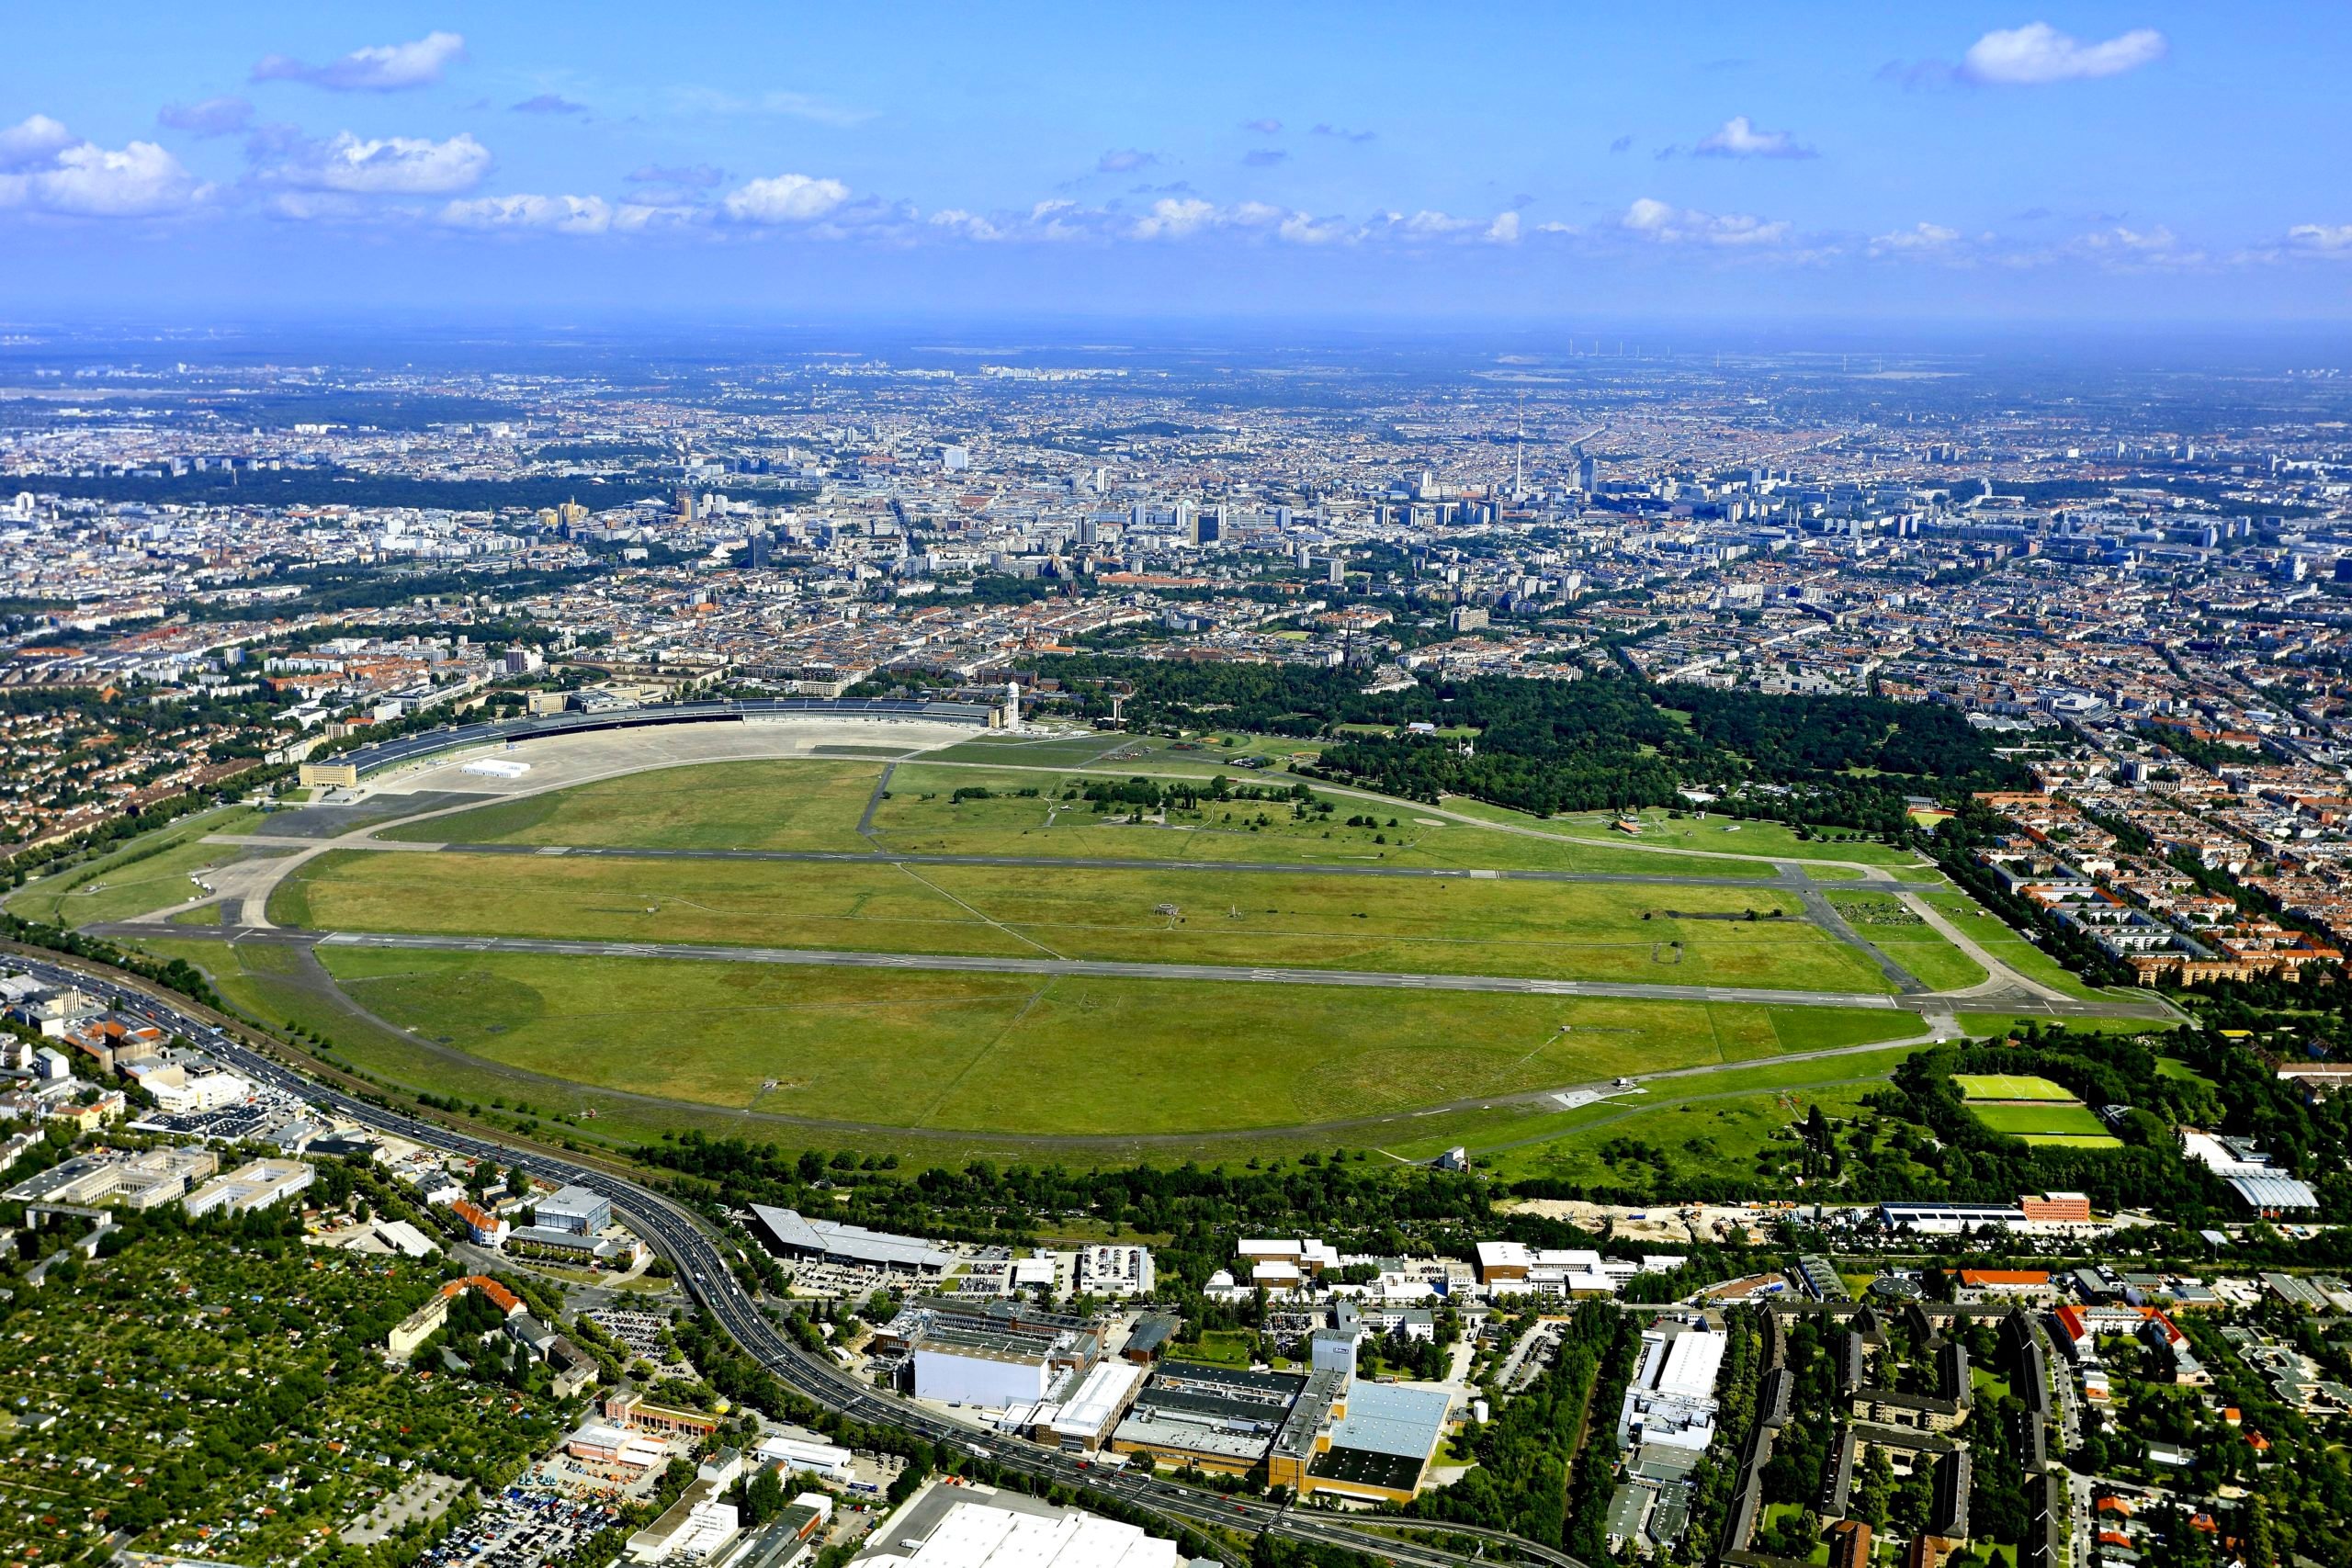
702,1268
718,953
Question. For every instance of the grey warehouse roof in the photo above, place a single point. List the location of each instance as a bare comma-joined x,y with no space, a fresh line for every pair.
854,1242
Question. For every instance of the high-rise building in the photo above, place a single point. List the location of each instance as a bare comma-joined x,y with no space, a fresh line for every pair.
1587,474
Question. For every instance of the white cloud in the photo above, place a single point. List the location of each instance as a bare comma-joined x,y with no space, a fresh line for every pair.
1299,228
556,214
1738,138
1173,217
2327,239
213,117
970,225
1918,238
1426,224
1679,226
2038,53
389,166
33,143
644,218
1504,230
380,68
785,198
1125,160
2122,238
47,170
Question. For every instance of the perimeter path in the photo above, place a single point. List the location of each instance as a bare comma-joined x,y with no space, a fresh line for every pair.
713,953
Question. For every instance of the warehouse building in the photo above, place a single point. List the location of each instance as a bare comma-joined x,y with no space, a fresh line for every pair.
1082,1420
1222,1419
1671,1400
993,1354
979,1527
849,1246
1380,1443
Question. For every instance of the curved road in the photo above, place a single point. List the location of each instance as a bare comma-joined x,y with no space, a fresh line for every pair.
704,1270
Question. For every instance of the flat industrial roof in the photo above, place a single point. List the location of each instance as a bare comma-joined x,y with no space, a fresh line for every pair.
831,1239
1389,1418
1692,1359
973,1533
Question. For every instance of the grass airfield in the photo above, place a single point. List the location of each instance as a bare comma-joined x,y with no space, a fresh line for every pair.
941,1056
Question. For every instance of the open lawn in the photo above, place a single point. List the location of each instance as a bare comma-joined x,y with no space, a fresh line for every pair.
1992,1025
1565,931
787,805
1013,1055
2012,1086
1710,1126
1889,925
150,873
922,816
1729,835
1985,928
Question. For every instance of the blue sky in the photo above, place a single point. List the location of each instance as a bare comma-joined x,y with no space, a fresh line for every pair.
2139,164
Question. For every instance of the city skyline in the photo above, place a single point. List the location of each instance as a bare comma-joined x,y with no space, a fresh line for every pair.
2141,164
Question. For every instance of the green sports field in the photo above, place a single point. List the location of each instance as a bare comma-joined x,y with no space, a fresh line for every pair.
2026,1106
2011,1086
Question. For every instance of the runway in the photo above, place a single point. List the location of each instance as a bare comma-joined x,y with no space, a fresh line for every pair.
1787,883
712,953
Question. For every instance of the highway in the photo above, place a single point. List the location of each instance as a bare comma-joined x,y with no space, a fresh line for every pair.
703,1269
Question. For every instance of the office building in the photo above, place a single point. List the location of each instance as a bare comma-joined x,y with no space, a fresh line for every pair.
574,1208
261,1184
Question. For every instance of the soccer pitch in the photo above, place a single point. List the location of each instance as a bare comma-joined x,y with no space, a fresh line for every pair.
2011,1086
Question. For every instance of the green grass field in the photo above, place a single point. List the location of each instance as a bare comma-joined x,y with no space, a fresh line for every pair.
2028,1106
1565,931
2012,1086
922,816
1709,1133
131,880
1711,834
790,805
2029,1121
1009,1054
1985,928
1902,936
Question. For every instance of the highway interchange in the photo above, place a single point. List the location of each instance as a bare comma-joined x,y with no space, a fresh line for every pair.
704,1270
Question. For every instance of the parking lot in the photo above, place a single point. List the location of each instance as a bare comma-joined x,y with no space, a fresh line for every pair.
522,1526
426,1498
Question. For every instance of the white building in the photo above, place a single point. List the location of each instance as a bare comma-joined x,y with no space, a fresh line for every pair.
1671,1401
984,1529
1121,1271
804,1456
261,1184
